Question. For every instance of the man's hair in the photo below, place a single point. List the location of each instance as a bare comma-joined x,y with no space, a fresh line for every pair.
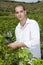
20,5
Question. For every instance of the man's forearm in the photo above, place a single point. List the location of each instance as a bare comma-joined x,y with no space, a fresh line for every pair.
16,45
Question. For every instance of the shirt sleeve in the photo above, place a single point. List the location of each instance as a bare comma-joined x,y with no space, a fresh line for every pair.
35,35
16,34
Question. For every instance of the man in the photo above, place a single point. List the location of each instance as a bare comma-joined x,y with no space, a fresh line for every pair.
27,32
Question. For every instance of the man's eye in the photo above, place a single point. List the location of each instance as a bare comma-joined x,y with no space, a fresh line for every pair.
17,12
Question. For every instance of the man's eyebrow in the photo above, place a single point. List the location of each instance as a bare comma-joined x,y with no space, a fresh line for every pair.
18,11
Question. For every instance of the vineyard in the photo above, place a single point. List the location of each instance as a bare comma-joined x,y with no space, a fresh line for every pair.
8,24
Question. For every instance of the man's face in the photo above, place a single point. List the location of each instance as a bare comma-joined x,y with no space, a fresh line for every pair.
20,13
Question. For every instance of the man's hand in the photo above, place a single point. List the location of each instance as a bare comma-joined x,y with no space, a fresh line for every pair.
12,45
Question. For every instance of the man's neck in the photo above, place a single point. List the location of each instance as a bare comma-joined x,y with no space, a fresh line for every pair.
23,22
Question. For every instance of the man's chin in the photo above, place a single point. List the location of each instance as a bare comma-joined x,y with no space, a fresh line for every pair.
20,19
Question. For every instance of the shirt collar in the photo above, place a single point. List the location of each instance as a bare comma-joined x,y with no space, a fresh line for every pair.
27,22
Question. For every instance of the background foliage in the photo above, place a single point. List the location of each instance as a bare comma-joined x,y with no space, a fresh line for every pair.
8,23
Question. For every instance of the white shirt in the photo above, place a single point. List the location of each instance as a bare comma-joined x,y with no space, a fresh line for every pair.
29,34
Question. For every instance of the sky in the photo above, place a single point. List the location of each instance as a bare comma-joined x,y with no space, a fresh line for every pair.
26,0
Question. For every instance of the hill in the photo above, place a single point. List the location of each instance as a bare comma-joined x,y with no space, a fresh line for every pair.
29,6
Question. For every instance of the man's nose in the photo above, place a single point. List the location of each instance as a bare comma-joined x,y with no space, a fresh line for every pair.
19,13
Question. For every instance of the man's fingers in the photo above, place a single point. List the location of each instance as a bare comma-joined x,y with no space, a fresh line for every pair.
9,45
